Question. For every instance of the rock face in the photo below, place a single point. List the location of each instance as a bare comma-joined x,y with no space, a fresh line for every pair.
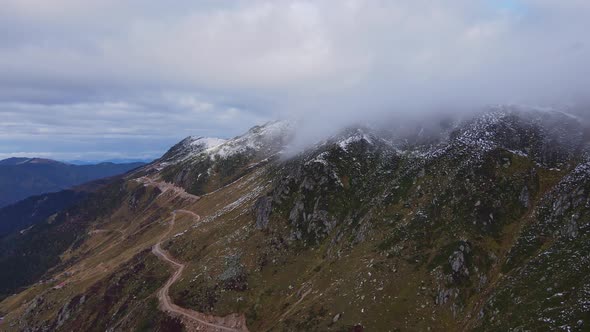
525,197
549,253
457,262
262,211
233,276
336,318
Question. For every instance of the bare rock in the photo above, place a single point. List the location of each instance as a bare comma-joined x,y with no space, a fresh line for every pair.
262,209
336,318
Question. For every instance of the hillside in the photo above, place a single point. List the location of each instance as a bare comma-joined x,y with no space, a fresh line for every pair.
480,223
24,177
32,210
35,209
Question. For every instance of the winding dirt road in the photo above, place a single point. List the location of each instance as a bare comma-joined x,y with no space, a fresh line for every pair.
166,187
196,320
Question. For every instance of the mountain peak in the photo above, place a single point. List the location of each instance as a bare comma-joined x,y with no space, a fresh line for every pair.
263,138
190,146
205,142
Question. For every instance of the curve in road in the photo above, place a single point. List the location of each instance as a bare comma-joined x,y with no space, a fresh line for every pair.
232,322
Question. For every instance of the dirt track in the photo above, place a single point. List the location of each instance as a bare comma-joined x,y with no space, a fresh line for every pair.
193,320
166,187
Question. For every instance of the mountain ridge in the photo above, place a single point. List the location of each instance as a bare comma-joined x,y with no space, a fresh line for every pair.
24,177
451,226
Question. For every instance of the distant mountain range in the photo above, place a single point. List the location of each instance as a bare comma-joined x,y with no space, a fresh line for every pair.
34,209
24,177
114,161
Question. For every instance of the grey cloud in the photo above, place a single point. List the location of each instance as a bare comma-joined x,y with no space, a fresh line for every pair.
146,69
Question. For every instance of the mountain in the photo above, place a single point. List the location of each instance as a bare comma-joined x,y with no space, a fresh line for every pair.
24,214
22,161
472,223
24,177
114,161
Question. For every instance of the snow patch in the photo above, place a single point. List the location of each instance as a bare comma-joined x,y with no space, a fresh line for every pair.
357,137
207,142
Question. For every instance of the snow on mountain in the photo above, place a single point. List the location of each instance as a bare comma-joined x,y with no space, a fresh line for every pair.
259,138
189,147
357,136
206,142
268,138
548,136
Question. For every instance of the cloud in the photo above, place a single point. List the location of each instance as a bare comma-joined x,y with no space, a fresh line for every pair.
138,128
145,69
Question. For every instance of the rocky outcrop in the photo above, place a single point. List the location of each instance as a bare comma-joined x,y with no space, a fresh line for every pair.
262,210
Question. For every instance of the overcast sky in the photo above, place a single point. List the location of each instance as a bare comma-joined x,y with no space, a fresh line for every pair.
99,79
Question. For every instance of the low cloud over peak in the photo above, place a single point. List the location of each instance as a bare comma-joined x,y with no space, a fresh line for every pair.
151,72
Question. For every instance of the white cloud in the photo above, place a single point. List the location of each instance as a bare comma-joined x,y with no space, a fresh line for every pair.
147,68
